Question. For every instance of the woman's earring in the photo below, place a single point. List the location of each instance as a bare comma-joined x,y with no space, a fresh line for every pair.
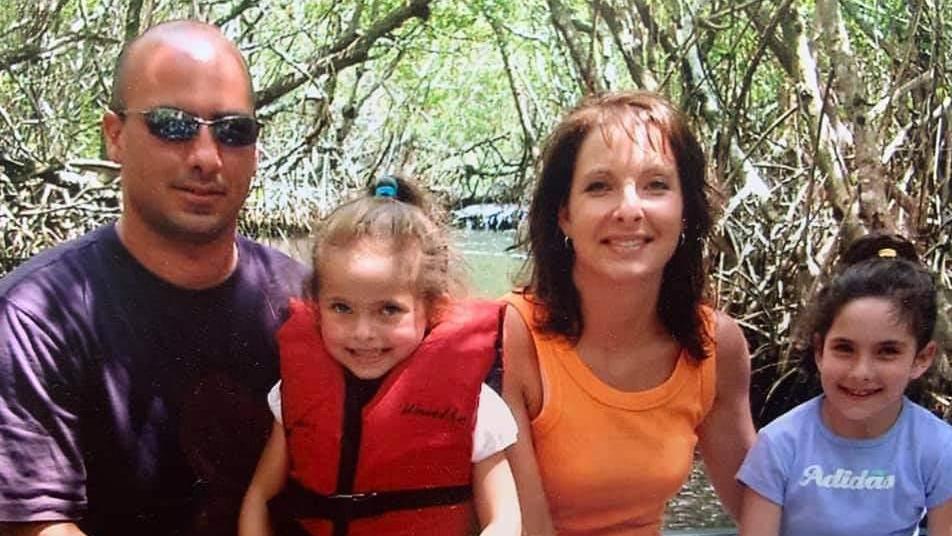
681,238
566,242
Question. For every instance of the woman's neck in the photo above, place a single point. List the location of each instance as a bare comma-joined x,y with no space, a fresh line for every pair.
619,316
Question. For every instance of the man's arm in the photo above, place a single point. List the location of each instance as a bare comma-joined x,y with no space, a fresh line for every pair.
41,463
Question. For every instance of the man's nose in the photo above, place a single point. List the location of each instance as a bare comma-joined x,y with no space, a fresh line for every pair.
205,153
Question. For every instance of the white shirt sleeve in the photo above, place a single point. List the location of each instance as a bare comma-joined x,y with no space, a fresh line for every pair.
274,402
495,426
494,431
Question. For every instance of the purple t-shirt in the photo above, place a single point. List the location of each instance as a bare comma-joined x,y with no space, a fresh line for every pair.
130,404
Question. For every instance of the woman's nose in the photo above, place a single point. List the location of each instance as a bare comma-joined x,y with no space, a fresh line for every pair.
629,204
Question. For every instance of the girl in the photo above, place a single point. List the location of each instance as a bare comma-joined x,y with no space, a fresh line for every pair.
861,458
383,424
611,340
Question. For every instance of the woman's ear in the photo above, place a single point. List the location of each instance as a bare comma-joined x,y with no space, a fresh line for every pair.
564,224
923,360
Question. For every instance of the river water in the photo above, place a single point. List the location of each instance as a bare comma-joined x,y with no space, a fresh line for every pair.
492,270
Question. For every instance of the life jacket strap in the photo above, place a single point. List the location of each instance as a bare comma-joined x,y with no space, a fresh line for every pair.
298,502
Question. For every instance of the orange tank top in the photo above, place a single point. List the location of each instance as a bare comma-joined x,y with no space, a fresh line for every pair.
609,459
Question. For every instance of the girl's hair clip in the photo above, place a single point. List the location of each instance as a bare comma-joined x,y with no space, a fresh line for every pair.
886,253
386,187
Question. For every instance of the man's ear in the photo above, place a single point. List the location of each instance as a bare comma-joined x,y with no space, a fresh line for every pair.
112,126
923,360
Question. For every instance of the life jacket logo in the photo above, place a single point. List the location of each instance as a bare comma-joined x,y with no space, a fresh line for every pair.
450,413
846,479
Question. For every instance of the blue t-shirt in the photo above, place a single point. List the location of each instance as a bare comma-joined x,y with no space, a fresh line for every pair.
829,485
127,403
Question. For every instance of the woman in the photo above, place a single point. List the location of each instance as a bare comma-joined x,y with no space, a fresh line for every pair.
615,370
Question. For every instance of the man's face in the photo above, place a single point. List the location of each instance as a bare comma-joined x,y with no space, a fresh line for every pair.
187,190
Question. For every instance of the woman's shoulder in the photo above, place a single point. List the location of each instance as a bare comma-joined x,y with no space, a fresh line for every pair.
729,350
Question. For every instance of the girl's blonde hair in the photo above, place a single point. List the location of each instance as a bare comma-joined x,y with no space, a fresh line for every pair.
407,222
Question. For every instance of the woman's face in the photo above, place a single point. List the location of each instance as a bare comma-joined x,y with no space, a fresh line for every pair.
625,205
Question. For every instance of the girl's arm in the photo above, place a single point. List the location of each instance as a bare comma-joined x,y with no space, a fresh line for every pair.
522,388
495,497
940,519
727,432
761,517
269,478
41,528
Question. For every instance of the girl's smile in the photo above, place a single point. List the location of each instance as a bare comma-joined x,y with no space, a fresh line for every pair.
371,315
866,361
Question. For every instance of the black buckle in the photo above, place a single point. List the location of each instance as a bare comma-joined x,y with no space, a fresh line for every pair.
347,506
353,497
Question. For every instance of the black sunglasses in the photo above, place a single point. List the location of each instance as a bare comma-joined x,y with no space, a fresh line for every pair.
172,124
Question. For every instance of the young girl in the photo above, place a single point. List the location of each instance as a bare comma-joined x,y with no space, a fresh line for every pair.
383,423
860,458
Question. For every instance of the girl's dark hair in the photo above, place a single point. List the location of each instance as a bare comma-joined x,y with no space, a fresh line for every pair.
408,222
551,261
878,265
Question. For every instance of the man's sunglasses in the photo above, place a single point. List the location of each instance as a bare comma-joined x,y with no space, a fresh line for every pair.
172,124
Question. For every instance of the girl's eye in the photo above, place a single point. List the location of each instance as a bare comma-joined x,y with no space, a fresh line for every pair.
842,348
888,352
391,310
339,308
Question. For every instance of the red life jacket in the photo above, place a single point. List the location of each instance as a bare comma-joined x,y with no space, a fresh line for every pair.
413,467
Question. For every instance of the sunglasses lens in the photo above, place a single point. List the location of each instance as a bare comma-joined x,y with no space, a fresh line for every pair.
171,124
236,131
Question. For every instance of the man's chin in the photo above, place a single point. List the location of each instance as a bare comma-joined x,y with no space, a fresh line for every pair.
198,231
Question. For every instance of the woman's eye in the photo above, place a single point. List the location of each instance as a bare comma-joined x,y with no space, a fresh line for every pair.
339,308
658,184
596,186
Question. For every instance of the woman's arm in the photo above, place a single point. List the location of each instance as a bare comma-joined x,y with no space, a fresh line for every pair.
940,519
759,516
269,478
522,391
727,432
494,493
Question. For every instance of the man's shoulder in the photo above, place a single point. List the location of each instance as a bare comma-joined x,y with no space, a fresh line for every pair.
54,267
265,262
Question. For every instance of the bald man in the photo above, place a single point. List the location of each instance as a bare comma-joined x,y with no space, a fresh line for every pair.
135,361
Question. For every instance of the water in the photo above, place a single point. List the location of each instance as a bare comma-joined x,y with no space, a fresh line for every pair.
492,271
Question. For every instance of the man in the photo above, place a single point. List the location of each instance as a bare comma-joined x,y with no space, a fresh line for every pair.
135,360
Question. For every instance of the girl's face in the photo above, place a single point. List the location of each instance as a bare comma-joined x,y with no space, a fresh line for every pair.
371,315
625,205
866,361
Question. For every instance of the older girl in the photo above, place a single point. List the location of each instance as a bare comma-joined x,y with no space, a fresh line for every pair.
861,458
